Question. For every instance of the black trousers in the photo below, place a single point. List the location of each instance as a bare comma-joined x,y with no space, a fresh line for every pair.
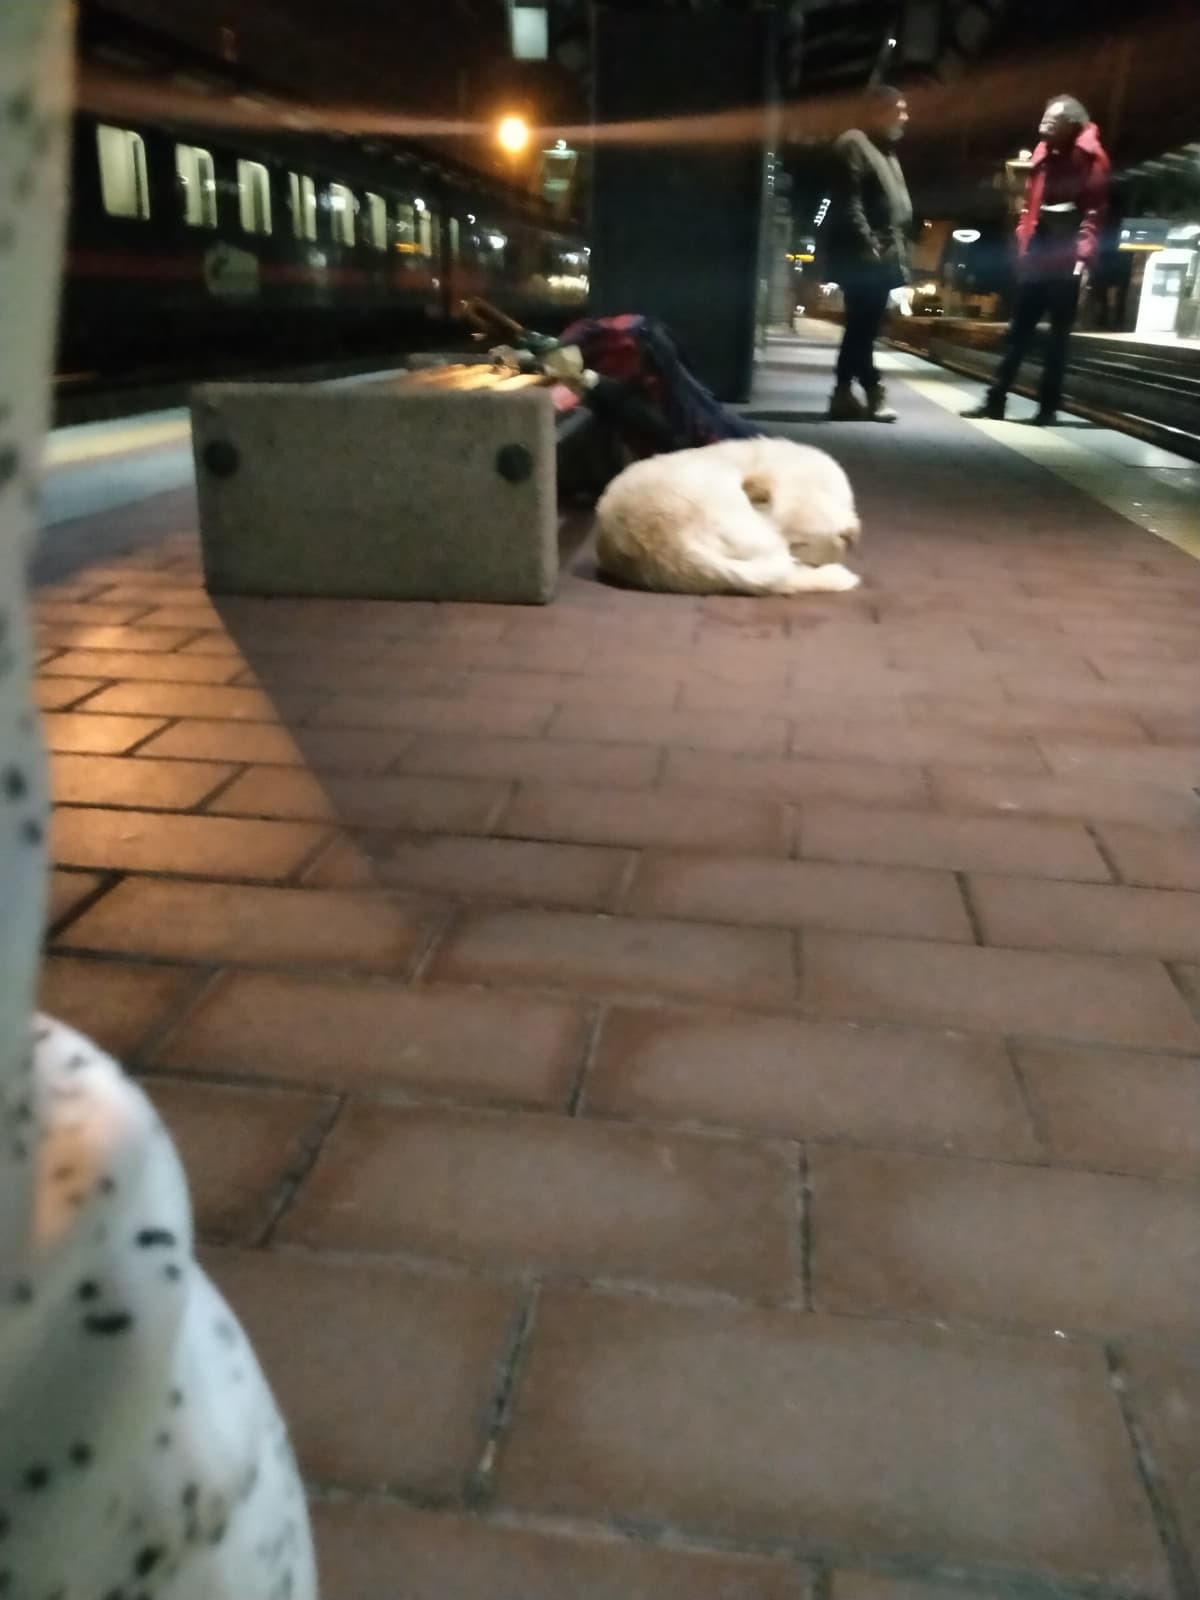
1057,299
866,306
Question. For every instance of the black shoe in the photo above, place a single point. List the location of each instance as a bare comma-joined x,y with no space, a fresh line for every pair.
1043,418
845,406
877,404
990,408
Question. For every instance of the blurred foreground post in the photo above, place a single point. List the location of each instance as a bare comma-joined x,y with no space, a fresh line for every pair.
139,1444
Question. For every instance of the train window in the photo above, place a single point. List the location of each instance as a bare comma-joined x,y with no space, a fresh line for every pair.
254,196
424,229
124,185
341,212
406,228
375,225
198,185
303,193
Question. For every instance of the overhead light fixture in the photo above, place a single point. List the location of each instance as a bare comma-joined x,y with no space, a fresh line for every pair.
529,32
513,135
965,235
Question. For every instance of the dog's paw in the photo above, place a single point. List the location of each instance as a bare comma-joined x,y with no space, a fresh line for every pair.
834,579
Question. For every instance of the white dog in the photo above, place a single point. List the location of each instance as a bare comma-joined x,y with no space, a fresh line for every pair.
749,516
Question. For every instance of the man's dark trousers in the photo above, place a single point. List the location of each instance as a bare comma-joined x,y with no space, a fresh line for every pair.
1057,299
866,306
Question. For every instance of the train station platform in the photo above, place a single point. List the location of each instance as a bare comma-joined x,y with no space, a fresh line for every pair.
1147,385
691,1098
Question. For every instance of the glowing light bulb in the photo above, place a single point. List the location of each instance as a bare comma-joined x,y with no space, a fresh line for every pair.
513,135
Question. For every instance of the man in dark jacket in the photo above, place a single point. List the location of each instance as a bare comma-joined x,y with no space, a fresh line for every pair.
1058,238
868,245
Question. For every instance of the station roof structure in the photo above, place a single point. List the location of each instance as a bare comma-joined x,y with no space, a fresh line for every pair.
977,71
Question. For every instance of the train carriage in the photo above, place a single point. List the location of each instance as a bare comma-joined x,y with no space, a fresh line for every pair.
193,246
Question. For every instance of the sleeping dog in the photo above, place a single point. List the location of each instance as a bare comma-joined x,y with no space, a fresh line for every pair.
749,516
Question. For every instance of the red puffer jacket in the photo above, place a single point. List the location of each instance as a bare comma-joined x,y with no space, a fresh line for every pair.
1050,246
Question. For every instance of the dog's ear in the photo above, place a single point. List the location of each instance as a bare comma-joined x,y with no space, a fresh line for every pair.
758,488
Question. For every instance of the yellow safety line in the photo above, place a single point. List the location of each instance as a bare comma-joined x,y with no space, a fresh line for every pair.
65,452
1169,513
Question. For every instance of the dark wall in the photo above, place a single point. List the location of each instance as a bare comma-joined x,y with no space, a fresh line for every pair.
675,227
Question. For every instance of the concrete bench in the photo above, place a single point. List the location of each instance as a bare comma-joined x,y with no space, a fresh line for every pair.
441,485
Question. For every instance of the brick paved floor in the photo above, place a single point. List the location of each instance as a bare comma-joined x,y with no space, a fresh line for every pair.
694,1099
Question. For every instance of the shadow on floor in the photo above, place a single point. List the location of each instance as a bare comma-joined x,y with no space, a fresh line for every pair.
574,534
68,548
789,418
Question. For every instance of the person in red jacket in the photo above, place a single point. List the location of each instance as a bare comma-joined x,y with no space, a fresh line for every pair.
1058,238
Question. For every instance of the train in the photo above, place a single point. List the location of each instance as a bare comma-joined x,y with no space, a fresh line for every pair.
202,253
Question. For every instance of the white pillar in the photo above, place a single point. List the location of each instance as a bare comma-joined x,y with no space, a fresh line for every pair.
139,1439
34,94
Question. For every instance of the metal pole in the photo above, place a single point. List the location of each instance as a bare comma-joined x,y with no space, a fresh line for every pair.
883,60
1120,85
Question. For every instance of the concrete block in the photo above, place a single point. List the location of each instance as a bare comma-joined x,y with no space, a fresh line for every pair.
385,492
